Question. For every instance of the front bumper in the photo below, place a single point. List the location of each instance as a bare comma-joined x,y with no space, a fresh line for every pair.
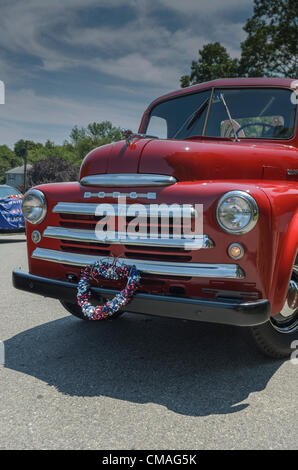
220,310
13,231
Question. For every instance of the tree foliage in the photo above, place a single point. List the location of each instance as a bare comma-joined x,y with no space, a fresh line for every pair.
21,145
95,135
8,160
270,48
214,62
46,156
51,170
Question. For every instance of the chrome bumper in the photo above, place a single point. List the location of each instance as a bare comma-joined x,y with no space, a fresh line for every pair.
226,311
166,268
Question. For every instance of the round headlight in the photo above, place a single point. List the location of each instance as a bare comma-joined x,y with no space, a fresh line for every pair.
237,212
34,206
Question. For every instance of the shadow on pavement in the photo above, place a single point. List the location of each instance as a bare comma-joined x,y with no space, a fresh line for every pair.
191,368
11,239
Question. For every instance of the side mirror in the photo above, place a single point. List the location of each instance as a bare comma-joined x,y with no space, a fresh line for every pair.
158,126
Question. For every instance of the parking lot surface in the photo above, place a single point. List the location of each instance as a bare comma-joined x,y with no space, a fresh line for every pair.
138,382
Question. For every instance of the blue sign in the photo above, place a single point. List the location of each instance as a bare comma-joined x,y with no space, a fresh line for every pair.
11,217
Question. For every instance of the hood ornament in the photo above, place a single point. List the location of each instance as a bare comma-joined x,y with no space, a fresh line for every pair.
130,136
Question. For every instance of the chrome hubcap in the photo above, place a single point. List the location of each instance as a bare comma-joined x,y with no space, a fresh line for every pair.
291,303
287,320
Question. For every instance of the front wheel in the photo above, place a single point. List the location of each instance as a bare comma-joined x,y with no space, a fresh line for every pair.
276,337
76,310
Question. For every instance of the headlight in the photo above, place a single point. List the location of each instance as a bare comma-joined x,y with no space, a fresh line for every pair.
34,206
237,212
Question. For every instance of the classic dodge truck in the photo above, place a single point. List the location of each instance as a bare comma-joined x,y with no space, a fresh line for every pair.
223,153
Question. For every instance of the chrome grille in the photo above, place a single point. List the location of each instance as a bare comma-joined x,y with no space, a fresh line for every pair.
76,232
159,256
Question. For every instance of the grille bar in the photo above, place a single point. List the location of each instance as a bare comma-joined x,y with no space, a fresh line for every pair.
90,236
89,208
208,270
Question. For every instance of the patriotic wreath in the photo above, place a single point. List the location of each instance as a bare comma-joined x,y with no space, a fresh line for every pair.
15,196
107,271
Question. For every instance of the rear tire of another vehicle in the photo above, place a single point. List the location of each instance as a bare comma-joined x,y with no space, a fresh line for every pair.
76,310
278,338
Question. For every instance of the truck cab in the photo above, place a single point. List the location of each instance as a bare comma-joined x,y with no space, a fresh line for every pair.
202,202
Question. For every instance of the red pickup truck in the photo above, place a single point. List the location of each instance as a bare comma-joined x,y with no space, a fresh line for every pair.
223,154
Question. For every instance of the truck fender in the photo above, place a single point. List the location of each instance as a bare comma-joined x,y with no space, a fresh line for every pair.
284,265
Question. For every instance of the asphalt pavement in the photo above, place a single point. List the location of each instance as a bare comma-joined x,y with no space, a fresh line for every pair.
138,382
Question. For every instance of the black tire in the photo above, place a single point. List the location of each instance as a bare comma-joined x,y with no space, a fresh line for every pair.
75,310
275,338
273,343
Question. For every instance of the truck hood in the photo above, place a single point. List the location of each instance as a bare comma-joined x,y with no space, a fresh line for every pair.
190,161
194,160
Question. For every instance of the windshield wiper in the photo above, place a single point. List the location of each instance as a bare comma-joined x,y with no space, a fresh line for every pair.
197,114
194,117
236,138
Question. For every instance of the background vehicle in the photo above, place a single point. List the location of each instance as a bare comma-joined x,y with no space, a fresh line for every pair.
11,216
229,145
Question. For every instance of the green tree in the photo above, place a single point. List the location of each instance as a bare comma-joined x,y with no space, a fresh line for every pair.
49,144
47,151
104,130
20,147
8,160
83,140
85,145
77,134
270,48
214,62
51,170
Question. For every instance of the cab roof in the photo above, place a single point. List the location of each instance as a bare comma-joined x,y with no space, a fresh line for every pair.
227,82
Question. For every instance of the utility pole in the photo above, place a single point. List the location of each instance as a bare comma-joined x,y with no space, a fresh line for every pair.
25,165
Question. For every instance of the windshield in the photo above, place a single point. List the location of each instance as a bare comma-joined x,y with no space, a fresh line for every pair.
6,191
170,119
253,113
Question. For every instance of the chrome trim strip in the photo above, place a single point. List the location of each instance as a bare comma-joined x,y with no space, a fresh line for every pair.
89,208
117,195
127,179
123,238
209,270
292,171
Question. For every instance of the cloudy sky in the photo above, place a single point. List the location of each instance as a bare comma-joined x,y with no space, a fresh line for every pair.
71,62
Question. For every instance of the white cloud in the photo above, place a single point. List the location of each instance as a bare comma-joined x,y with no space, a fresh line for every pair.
24,111
191,7
145,57
31,27
137,68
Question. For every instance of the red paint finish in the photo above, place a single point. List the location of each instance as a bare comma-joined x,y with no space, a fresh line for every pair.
200,160
205,169
114,158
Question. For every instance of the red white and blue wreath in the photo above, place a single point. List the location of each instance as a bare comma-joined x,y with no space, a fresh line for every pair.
107,271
